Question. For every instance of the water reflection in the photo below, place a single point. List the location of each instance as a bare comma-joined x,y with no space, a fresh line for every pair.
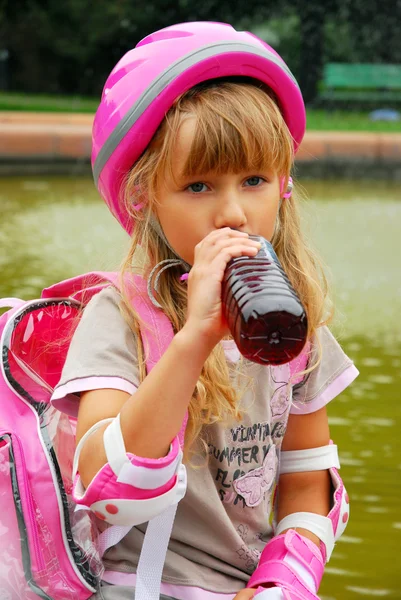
55,228
52,230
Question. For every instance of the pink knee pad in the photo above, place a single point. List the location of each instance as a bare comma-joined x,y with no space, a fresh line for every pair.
130,490
293,564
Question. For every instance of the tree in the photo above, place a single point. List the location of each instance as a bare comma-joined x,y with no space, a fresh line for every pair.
71,46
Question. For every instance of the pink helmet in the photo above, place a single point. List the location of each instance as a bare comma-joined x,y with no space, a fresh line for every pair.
147,80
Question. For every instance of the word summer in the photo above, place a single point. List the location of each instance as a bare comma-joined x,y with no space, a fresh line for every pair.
239,455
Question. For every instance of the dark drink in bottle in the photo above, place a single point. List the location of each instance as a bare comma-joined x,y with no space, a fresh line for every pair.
264,314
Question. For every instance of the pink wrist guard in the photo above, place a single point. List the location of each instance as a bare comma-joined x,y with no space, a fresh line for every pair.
292,563
130,490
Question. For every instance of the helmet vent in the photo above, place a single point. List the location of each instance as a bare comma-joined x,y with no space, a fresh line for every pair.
118,74
164,34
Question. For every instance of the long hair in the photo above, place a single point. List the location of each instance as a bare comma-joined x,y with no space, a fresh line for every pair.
239,127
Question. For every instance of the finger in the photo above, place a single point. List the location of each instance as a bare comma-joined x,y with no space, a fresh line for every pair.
209,252
217,264
225,242
225,232
230,252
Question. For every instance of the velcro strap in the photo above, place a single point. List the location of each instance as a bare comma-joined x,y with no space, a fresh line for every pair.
137,475
312,459
292,562
283,576
145,478
120,511
321,526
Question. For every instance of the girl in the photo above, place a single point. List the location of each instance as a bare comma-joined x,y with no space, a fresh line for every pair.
193,145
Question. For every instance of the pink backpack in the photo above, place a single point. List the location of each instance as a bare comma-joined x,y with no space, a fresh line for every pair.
48,550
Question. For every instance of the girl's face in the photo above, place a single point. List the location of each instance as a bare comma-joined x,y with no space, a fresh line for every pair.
190,208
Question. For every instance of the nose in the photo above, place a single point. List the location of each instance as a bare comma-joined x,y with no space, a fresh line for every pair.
230,213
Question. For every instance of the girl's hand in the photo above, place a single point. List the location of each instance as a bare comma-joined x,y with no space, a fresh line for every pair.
272,592
212,254
245,594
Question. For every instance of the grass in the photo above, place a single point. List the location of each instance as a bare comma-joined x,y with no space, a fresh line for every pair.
342,120
42,103
318,120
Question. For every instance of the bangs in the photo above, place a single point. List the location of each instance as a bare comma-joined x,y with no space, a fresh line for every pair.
237,127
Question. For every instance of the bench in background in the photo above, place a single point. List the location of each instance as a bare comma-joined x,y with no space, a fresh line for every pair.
361,83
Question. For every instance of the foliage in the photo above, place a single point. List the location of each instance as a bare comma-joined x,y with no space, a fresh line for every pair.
70,46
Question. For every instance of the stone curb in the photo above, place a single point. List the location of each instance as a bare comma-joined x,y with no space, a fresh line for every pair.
65,137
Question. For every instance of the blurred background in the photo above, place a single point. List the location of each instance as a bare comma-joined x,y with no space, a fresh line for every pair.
69,47
346,55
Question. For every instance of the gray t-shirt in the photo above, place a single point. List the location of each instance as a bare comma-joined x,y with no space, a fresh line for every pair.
224,520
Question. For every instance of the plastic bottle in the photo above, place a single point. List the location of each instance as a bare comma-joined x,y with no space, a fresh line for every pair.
264,314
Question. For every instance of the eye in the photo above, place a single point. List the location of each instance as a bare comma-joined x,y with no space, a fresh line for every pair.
254,181
197,188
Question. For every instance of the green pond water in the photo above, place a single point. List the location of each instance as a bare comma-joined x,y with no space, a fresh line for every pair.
53,228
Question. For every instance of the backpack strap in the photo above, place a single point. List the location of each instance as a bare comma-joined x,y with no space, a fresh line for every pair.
82,287
156,333
11,302
156,329
299,364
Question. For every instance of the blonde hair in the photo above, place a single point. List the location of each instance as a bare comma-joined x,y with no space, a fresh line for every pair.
239,127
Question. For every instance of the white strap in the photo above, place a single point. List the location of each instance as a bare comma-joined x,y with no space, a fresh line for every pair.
111,536
148,479
153,554
312,459
11,302
321,526
270,594
82,441
158,532
155,544
114,446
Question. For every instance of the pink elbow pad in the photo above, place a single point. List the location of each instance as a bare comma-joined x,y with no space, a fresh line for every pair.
130,490
290,561
327,528
293,564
